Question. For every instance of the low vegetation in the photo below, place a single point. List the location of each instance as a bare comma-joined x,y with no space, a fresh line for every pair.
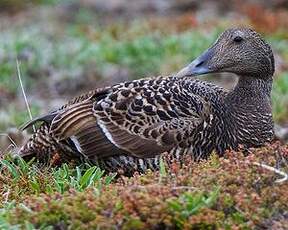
233,192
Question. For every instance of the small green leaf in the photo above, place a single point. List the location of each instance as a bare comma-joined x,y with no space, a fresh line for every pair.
35,185
85,179
12,168
109,178
212,197
162,168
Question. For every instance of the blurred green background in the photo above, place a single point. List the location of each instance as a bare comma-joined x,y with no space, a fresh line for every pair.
68,47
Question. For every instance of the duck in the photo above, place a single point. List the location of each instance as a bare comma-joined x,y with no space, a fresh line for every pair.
129,125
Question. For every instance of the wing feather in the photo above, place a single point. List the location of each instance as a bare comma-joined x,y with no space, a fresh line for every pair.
154,119
142,118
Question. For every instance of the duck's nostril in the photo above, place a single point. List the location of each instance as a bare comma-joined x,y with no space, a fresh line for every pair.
199,64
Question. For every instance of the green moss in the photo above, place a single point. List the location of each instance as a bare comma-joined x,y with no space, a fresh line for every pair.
133,223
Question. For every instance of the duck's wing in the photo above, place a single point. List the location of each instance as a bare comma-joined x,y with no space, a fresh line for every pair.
141,118
48,118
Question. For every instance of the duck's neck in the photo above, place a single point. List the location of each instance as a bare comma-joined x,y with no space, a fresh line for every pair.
254,86
250,91
248,113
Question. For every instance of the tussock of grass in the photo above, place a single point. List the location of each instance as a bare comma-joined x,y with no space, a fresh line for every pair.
85,50
280,98
229,192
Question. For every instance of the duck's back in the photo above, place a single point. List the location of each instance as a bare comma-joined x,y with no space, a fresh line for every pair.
141,118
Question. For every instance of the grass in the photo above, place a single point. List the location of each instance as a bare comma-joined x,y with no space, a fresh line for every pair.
143,55
280,98
50,58
15,115
82,50
75,51
17,5
229,193
60,180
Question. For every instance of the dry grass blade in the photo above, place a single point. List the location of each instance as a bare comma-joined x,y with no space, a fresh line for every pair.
10,139
13,144
158,186
277,171
6,196
24,94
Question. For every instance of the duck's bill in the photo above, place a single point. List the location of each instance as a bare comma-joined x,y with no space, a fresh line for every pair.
198,67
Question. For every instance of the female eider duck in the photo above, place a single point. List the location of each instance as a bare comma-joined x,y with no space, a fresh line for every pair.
129,125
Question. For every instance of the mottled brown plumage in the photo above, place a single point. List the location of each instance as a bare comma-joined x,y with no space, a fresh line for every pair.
130,124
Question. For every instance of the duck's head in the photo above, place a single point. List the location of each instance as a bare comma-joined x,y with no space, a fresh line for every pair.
237,50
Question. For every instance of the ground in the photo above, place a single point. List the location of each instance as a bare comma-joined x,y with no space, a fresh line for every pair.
236,191
65,49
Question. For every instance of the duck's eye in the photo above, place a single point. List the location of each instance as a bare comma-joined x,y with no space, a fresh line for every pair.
238,39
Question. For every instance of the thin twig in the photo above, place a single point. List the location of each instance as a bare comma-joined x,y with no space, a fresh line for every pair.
163,186
184,188
24,94
277,171
7,150
10,139
6,196
13,144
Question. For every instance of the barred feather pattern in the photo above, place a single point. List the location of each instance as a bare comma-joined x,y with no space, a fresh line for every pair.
162,99
45,146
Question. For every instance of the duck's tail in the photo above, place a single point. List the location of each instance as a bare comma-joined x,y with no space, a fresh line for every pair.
40,145
46,149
